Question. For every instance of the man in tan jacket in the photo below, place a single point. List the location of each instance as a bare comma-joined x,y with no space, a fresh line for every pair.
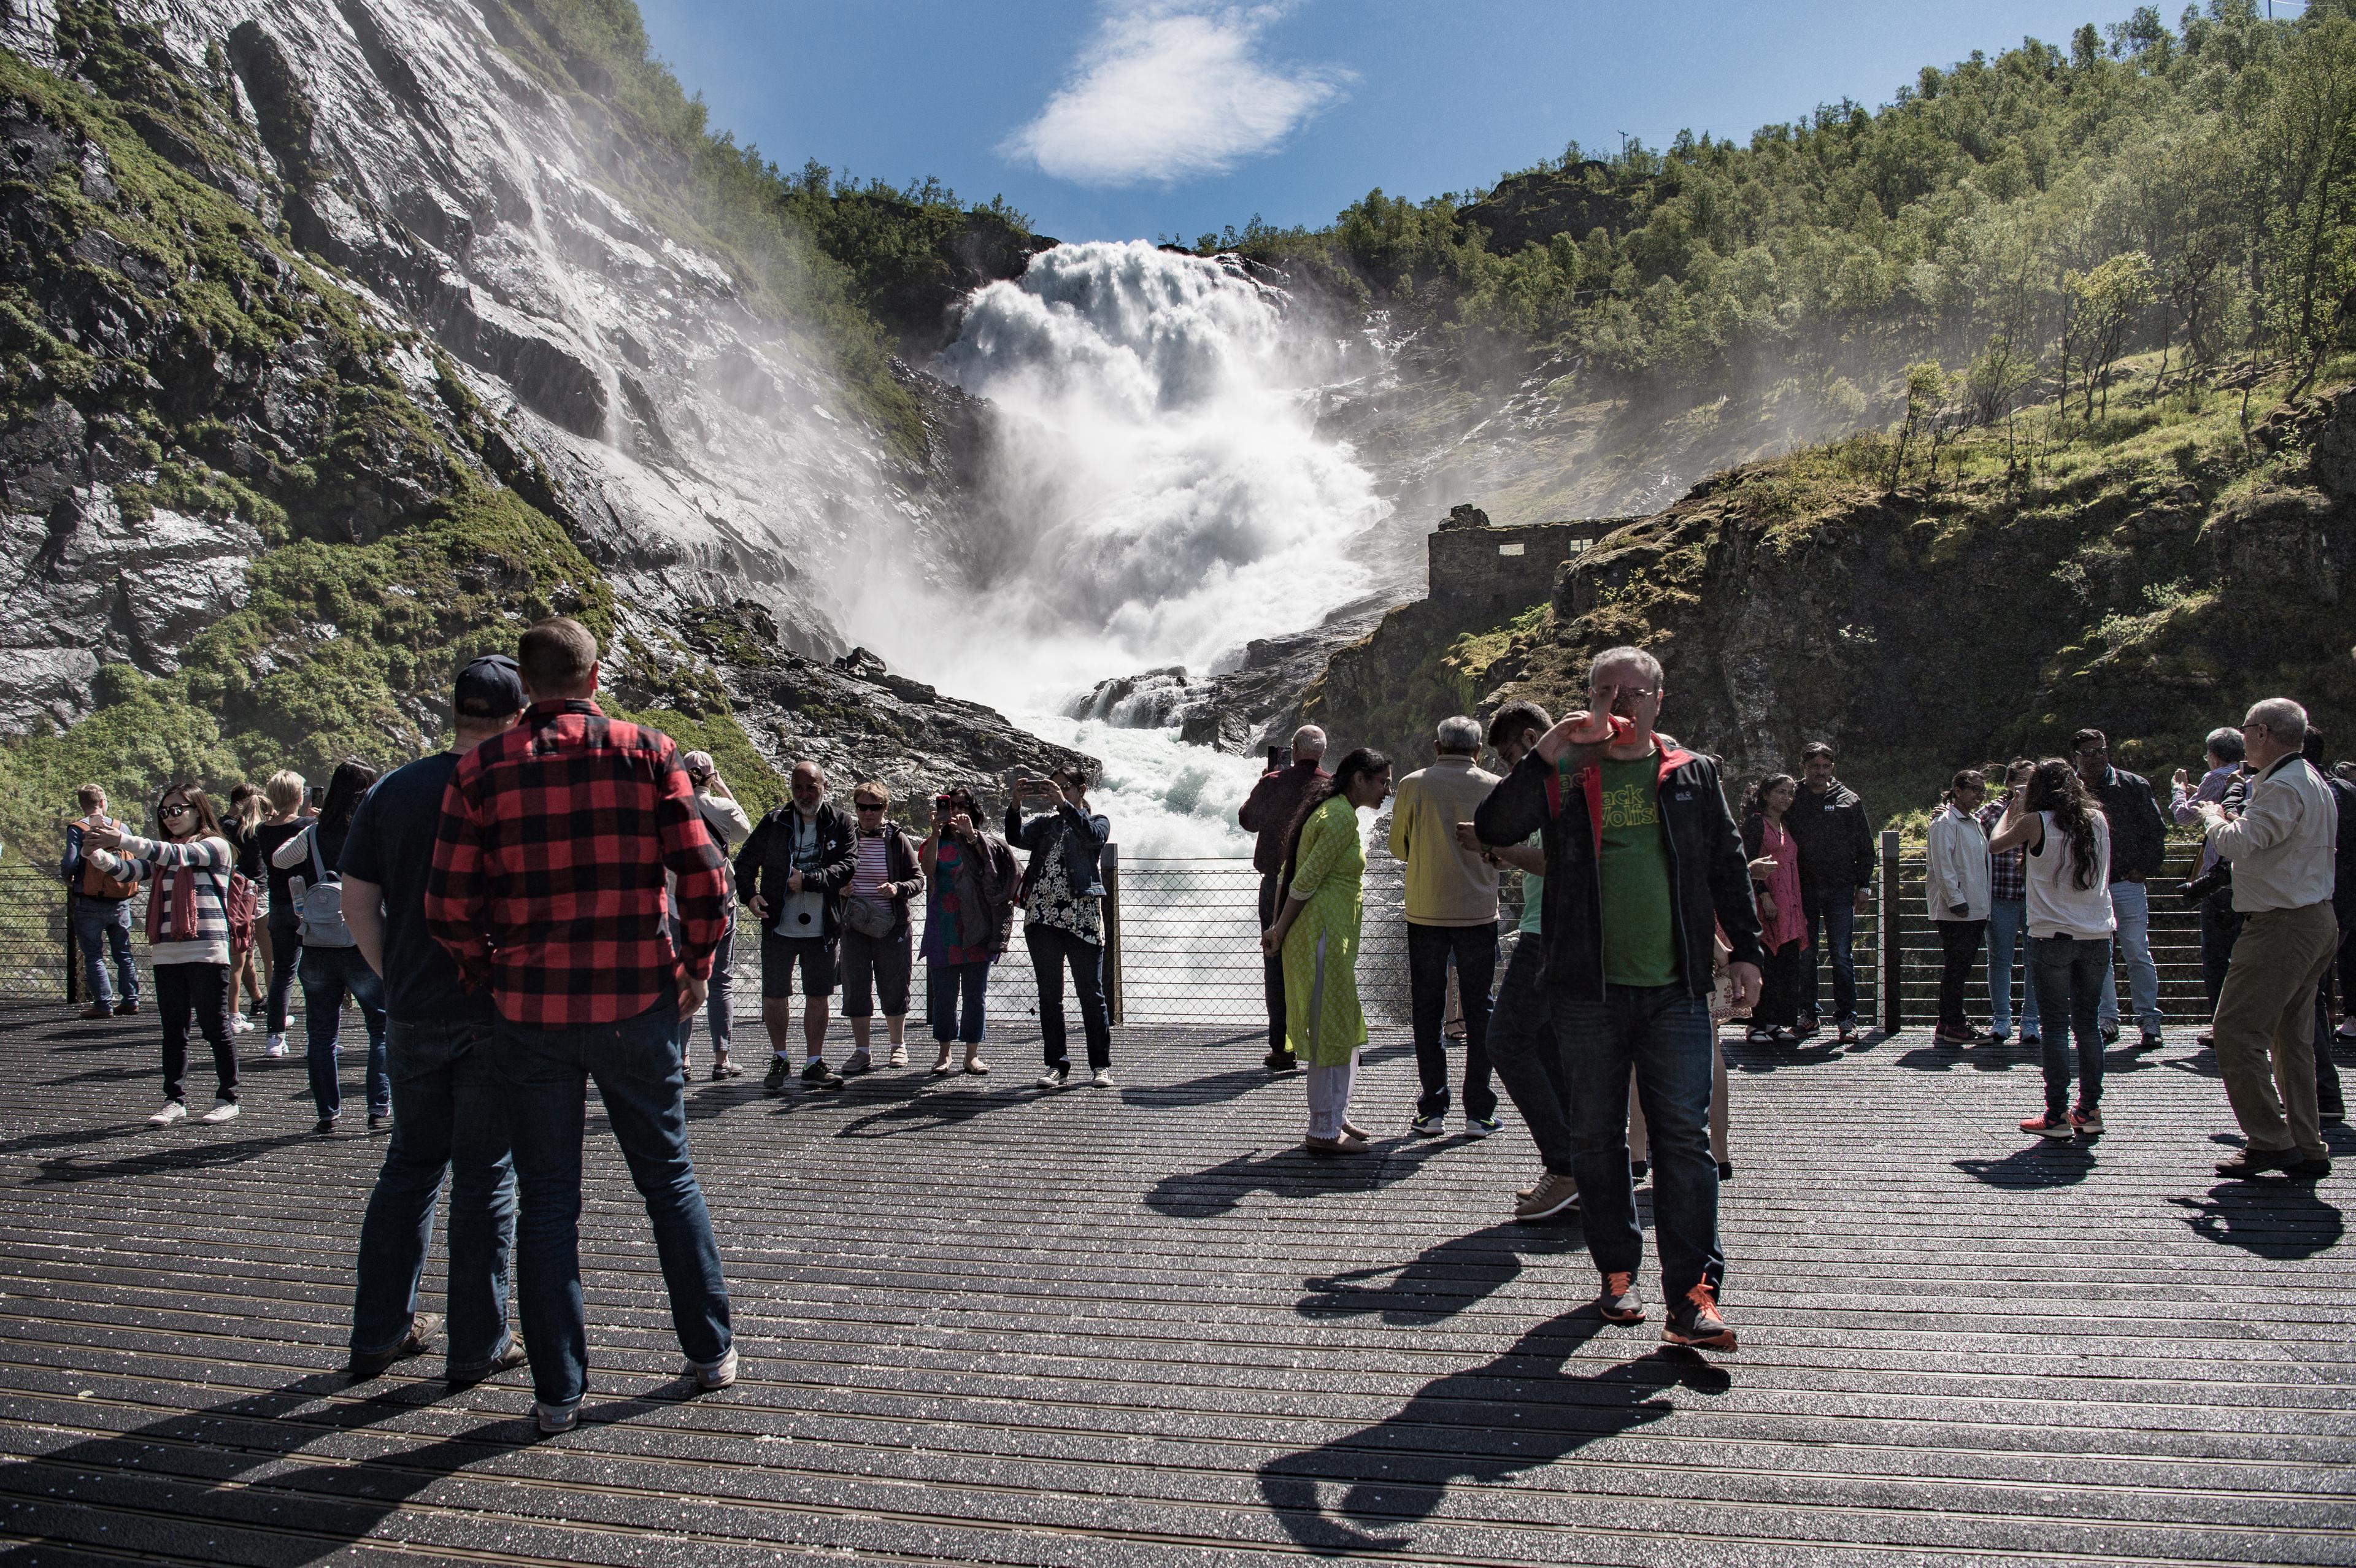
1451,914
2282,847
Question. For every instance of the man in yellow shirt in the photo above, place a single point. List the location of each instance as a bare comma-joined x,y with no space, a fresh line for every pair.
1451,914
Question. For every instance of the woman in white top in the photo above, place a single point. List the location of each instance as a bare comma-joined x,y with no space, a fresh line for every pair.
2068,872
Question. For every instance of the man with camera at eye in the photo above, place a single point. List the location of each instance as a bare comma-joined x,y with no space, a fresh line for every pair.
790,874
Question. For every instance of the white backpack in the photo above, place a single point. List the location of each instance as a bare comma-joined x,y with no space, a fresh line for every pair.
319,906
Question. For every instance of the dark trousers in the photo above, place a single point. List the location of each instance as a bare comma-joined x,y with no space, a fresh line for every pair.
1663,1033
286,952
1528,1059
2345,964
202,989
1271,969
544,1074
873,965
103,927
1779,988
947,985
1832,928
449,1116
2068,974
2219,924
1959,941
1429,950
2327,1072
1052,948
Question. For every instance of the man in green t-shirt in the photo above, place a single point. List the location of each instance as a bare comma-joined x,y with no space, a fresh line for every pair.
1644,866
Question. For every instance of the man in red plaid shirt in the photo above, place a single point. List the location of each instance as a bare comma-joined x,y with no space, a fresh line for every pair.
547,886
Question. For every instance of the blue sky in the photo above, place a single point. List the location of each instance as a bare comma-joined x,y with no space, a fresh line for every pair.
1119,119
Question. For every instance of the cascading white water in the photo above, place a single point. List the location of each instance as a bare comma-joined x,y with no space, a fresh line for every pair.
1157,494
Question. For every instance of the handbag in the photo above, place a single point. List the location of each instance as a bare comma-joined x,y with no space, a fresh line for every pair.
869,918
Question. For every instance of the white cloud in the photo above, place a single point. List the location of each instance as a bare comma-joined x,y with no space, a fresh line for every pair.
1169,89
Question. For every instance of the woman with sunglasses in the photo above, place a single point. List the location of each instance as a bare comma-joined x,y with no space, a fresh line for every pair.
187,867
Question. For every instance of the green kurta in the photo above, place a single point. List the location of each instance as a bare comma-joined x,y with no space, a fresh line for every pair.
1323,1021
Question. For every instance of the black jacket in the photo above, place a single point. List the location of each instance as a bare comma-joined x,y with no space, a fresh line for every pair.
1709,880
763,863
2138,837
1079,837
1835,838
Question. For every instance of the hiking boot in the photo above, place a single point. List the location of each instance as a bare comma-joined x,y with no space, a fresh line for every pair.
1430,1126
2048,1125
506,1360
2088,1121
2258,1161
817,1074
1551,1196
419,1338
125,1009
97,1010
1696,1322
173,1111
775,1084
716,1376
858,1061
1618,1302
1483,1127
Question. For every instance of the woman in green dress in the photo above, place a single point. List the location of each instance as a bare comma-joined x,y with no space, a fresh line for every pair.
1317,932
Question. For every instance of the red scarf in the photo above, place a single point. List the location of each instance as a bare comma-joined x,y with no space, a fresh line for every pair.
175,886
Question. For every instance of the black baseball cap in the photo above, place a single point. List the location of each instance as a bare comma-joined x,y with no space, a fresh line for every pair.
490,688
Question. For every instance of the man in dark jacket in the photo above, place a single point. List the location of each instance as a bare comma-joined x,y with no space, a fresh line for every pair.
2330,1106
790,874
2138,845
1274,802
1643,863
1828,823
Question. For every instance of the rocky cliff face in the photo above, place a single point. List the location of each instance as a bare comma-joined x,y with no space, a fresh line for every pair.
359,276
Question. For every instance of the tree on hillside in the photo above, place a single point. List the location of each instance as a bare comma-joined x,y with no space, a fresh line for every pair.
2104,303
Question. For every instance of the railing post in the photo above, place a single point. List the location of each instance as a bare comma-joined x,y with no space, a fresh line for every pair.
1892,955
1109,865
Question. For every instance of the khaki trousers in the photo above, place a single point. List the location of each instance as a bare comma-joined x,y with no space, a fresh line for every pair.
2265,1023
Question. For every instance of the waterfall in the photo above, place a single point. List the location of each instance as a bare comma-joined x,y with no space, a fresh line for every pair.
1155,495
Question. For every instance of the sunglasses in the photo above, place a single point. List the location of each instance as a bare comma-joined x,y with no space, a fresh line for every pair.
175,810
870,805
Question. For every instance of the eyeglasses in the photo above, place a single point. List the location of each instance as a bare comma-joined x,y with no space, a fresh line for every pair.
1639,692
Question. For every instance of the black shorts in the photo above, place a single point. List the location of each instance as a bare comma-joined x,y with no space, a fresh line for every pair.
780,954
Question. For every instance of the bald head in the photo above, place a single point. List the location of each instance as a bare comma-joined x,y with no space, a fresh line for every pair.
1308,743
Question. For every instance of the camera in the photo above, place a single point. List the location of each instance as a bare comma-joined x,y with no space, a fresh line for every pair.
1280,757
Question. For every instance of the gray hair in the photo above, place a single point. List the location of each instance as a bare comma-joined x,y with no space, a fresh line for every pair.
817,771
1630,655
1309,741
2286,720
1460,735
2225,741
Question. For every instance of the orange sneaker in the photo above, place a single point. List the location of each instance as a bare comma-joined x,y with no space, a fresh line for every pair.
1696,1321
1619,1303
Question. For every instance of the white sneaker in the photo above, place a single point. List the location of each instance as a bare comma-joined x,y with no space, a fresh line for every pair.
1103,1078
222,1111
2347,1030
718,1375
899,1056
1050,1079
240,1024
173,1111
276,1046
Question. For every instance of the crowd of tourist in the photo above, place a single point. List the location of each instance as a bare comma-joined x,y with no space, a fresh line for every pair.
554,900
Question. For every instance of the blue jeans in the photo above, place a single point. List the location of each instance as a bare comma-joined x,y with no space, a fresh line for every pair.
2007,920
327,974
1663,1033
720,998
944,985
449,1113
2131,904
102,928
1528,1063
2068,974
545,1073
1831,912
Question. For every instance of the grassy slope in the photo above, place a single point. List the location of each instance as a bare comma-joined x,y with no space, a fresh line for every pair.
1940,627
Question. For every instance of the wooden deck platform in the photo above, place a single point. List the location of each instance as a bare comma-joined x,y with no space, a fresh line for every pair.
983,1324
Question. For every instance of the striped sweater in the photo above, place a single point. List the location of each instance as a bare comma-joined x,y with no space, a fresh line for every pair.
159,863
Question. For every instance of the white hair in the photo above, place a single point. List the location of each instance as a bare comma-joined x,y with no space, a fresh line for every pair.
1309,741
2286,720
1629,655
817,771
1460,735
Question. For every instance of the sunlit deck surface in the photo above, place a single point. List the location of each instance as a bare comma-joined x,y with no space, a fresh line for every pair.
983,1324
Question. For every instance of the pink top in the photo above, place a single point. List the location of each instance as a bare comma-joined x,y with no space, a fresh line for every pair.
1791,924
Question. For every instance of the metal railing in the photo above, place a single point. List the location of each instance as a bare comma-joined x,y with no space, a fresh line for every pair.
1183,942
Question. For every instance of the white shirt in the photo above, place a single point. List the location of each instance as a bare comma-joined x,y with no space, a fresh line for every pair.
2284,843
2058,906
1959,866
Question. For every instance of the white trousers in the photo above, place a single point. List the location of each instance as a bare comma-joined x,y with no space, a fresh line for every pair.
1329,1098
